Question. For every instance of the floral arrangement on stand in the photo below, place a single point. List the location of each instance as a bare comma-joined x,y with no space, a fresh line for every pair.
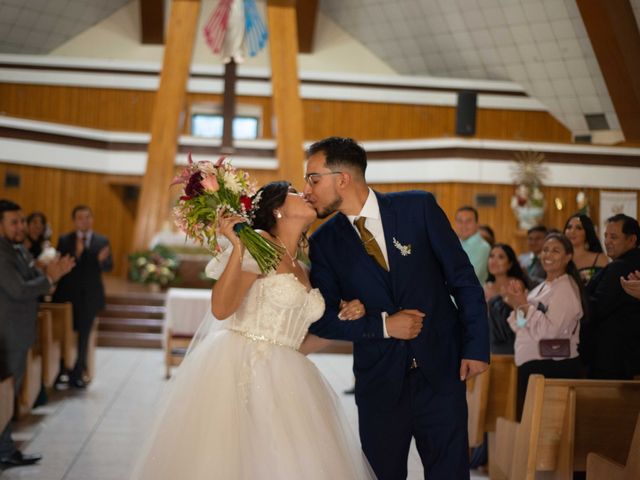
157,267
528,201
582,201
211,190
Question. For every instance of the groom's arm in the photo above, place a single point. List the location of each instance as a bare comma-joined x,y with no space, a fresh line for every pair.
461,280
330,326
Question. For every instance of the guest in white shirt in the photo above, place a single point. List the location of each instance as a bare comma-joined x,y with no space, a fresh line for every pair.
551,311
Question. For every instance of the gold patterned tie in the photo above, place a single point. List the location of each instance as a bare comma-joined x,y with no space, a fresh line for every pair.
369,243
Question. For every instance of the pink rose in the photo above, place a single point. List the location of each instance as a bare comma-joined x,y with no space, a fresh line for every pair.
210,184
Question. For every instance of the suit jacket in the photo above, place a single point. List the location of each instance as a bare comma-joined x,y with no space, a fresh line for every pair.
436,272
615,315
21,284
84,282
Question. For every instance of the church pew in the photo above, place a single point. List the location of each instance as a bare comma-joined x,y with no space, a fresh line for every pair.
50,348
31,384
62,314
175,346
490,395
601,468
63,331
562,422
7,400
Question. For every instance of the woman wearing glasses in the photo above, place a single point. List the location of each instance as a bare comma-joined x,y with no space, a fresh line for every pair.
246,403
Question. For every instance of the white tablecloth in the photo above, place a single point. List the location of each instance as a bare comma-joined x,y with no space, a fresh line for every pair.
185,310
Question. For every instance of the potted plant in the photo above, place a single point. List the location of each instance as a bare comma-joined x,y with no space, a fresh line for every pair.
156,267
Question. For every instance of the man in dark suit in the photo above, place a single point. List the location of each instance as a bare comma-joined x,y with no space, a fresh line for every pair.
614,332
21,284
414,347
83,286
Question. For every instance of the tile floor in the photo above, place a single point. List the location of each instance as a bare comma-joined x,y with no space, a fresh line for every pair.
95,434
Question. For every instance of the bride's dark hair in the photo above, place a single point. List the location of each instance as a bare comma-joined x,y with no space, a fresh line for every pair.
272,196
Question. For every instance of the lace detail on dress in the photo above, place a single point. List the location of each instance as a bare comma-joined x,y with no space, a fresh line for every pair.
277,311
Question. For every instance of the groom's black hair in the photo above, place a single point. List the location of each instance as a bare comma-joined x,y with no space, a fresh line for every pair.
340,151
272,196
8,206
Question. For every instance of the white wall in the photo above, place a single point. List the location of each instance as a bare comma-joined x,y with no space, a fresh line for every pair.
118,38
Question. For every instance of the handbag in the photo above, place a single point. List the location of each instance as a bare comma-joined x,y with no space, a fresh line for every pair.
555,348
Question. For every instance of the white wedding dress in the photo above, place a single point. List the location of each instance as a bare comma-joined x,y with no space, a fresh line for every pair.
245,404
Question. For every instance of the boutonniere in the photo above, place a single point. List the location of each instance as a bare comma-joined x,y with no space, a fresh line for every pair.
404,249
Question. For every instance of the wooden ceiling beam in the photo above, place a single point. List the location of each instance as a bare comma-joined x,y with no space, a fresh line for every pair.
152,22
287,105
306,12
615,39
154,203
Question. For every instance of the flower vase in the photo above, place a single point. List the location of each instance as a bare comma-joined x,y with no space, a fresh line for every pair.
528,217
154,287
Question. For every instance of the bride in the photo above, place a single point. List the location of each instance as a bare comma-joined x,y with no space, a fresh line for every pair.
246,403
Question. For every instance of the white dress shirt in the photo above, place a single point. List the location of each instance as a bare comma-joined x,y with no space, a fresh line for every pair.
86,237
373,223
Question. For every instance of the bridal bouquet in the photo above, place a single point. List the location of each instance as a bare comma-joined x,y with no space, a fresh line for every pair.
216,189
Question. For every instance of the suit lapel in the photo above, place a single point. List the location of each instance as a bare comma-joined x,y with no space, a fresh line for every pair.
389,225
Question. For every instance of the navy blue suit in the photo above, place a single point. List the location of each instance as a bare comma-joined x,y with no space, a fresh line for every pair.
395,403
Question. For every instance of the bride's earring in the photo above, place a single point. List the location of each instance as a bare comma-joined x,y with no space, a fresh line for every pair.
278,215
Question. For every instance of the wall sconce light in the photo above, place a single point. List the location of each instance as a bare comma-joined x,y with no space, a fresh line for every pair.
558,203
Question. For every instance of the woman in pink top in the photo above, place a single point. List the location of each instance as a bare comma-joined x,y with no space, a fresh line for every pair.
552,310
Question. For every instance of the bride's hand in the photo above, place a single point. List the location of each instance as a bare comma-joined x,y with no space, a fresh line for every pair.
225,227
351,310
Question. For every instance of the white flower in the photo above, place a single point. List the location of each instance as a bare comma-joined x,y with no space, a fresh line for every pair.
537,194
231,182
404,249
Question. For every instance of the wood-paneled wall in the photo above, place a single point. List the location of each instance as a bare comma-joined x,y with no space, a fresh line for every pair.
56,192
130,110
501,218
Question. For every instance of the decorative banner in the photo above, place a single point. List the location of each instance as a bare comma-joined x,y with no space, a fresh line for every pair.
612,203
236,26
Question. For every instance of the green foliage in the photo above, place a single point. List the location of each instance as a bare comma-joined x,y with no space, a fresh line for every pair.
158,265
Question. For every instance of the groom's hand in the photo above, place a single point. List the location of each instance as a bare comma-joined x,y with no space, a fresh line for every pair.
471,368
405,324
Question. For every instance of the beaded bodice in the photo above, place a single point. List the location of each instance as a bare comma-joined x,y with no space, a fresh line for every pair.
278,309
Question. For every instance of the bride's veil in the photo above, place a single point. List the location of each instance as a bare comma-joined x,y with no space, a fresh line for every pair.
213,270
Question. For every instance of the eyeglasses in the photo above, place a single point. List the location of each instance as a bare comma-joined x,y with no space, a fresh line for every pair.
312,178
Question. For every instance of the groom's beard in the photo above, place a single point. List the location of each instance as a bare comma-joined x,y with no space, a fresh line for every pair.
329,209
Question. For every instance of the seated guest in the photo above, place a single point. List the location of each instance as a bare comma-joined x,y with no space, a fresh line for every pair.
550,313
631,284
503,268
35,241
587,251
476,248
530,261
20,286
615,314
487,233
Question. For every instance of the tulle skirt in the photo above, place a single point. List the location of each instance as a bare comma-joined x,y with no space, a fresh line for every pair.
245,409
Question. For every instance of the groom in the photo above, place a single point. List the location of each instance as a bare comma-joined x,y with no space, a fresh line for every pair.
415,345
